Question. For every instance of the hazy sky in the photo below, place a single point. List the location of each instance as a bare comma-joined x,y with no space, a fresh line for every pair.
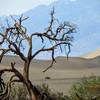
18,6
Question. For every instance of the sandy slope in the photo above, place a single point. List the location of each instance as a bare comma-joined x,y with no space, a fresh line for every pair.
63,74
92,54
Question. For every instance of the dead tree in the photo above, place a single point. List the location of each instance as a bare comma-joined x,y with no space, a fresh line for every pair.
13,36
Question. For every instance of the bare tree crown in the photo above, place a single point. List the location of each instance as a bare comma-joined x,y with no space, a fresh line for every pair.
59,35
14,36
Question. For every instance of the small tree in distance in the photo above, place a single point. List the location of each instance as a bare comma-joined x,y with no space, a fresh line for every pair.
16,36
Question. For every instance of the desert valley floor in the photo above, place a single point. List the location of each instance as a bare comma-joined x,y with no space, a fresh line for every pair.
62,75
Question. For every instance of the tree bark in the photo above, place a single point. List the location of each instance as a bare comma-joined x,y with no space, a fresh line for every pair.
26,70
33,91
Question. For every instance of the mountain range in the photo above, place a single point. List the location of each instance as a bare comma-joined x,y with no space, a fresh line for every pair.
84,13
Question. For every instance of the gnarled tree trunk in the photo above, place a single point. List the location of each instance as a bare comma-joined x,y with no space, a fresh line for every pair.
33,91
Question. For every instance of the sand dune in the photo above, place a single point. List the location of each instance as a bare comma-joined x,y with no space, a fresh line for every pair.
93,54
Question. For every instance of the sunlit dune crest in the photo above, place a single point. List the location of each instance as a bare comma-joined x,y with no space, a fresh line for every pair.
91,55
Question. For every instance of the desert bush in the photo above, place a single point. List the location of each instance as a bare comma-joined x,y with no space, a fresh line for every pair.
49,95
18,92
86,89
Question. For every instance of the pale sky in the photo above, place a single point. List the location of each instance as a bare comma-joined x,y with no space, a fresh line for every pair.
11,7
